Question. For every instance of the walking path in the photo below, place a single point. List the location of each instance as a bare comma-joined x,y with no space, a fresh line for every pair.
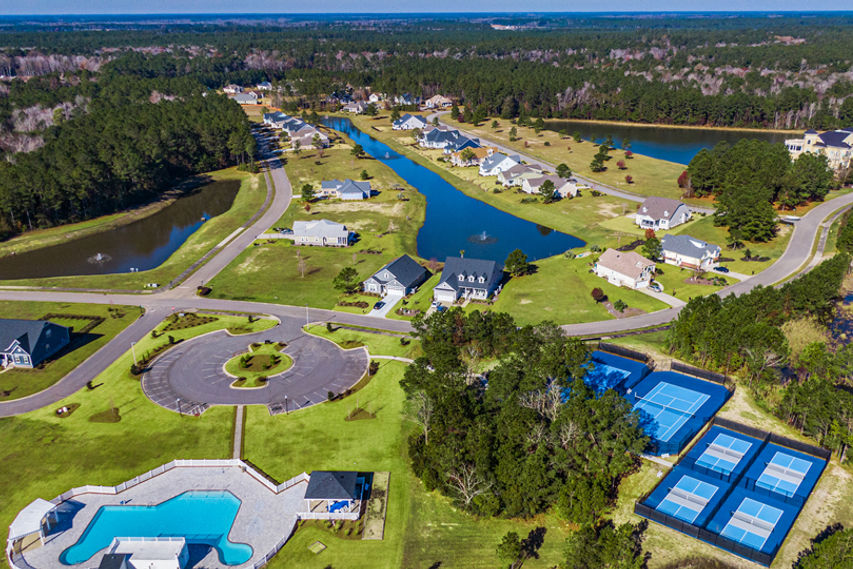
237,451
394,358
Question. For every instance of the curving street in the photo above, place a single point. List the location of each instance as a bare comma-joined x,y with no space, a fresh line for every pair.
159,305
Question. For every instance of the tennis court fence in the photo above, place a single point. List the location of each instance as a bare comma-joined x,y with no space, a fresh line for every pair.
624,352
700,533
766,436
700,373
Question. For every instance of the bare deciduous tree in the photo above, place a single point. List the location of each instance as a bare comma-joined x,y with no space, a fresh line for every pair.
467,482
419,409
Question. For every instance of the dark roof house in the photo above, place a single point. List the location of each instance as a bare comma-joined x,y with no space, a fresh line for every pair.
332,485
27,343
468,278
402,276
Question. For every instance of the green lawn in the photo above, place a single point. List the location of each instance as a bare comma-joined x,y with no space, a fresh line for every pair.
17,383
387,227
651,176
248,200
378,343
264,361
560,291
420,300
44,455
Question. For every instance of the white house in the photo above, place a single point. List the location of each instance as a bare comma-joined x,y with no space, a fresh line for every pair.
232,89
467,278
625,268
400,277
345,189
516,175
356,107
689,252
264,86
409,122
562,187
320,233
662,213
497,163
375,98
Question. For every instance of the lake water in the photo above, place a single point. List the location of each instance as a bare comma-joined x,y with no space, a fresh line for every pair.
142,245
455,221
678,145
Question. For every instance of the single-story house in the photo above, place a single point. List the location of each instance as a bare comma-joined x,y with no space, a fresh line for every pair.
438,102
307,136
376,98
442,137
461,143
320,233
516,175
468,278
477,156
345,189
250,98
409,122
27,343
497,162
286,123
146,553
334,491
264,86
356,107
232,89
687,251
406,99
625,268
562,187
402,276
662,213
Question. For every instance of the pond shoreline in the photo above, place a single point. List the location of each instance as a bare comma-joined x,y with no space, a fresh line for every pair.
675,126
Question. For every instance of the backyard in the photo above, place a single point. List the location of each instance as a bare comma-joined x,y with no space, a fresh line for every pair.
93,326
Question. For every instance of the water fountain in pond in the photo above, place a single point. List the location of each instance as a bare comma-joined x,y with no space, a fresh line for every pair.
99,259
483,238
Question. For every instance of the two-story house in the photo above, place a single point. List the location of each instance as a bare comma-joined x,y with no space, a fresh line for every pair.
468,279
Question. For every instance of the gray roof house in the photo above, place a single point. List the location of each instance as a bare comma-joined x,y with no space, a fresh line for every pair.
468,278
400,277
662,213
307,136
27,343
345,189
321,233
497,163
249,98
409,122
689,252
516,175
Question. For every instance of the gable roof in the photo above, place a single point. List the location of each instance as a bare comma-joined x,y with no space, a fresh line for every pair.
465,266
332,485
320,228
495,159
519,170
627,263
28,521
835,138
659,208
688,246
555,179
480,152
407,116
352,187
404,270
39,338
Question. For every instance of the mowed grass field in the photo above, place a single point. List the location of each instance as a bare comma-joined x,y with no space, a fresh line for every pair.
386,225
249,200
44,455
651,177
17,383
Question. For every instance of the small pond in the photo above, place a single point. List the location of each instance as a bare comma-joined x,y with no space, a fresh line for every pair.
141,245
678,145
457,222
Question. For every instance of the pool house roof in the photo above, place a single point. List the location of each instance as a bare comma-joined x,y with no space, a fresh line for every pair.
332,485
29,520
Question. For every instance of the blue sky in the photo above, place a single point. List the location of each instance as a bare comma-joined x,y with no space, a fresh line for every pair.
9,7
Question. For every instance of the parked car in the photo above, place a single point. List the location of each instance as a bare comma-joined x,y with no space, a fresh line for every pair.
378,305
721,269
656,286
440,308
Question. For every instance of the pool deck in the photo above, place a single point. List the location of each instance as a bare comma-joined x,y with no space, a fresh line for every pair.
264,518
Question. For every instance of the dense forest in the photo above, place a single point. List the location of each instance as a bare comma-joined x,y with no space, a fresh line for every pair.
132,139
791,71
525,437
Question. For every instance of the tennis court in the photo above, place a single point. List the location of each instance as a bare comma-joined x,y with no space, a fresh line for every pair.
784,474
687,499
724,453
670,406
752,523
607,371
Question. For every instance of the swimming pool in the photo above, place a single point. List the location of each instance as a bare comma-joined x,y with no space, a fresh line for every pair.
201,517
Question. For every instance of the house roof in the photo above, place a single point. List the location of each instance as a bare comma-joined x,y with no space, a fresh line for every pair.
811,131
112,561
835,138
27,332
659,208
28,521
408,116
627,263
689,246
352,187
320,228
463,142
519,170
332,485
555,179
498,157
404,270
149,549
480,152
466,267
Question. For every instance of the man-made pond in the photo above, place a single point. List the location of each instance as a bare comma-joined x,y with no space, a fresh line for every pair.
457,222
678,145
140,245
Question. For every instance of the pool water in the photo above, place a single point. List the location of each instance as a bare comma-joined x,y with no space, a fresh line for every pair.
201,517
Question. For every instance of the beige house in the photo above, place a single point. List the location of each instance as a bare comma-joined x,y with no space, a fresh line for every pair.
516,175
438,102
625,268
479,154
562,186
836,145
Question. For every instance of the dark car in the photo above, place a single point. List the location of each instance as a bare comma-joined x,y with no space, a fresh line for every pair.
721,269
378,305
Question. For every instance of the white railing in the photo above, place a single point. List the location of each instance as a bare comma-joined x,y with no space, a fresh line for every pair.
327,516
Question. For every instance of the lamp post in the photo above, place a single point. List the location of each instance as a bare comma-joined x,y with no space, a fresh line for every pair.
285,405
306,315
178,404
133,351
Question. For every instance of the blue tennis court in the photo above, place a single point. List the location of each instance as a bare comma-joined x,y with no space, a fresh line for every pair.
670,406
607,371
724,453
687,499
752,523
784,474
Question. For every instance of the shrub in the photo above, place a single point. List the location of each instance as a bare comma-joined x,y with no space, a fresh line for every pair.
598,294
331,395
329,327
595,193
620,305
373,368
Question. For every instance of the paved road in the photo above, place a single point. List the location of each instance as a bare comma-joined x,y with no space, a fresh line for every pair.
603,188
